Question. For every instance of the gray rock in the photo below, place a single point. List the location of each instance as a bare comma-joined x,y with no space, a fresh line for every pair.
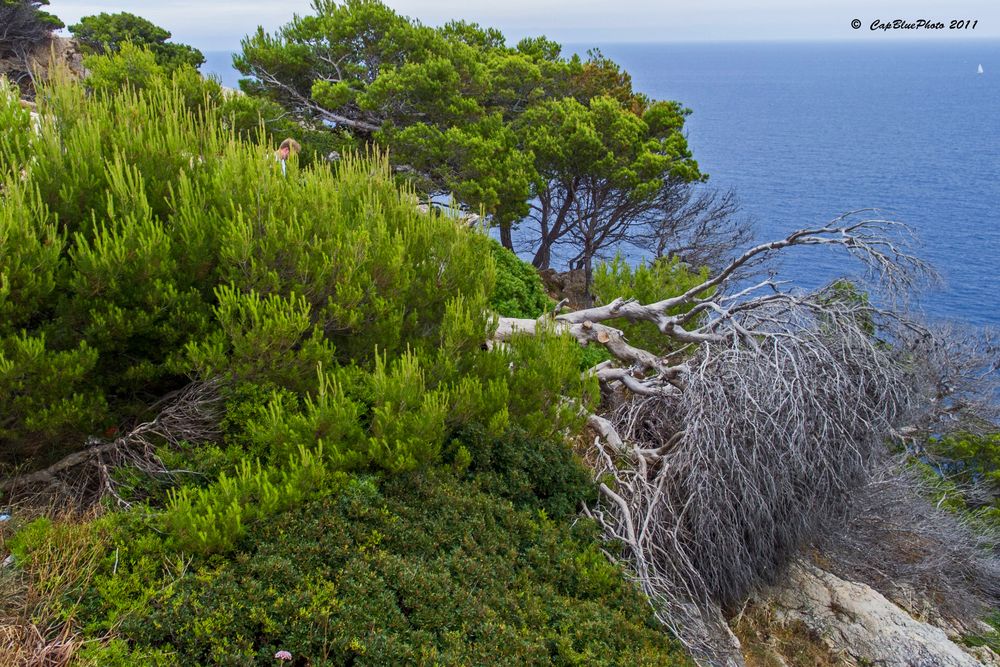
859,622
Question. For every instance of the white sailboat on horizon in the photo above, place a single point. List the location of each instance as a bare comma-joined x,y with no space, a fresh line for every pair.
980,70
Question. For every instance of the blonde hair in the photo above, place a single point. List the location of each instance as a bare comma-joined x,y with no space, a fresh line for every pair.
291,145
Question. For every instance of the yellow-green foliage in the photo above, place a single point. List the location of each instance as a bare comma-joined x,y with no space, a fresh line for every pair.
212,518
149,243
159,245
17,124
130,66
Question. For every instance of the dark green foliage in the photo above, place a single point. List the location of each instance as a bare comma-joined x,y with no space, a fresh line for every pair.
108,33
46,398
493,125
425,570
136,67
519,291
531,473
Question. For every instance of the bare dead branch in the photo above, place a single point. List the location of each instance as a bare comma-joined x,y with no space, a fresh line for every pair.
722,466
189,416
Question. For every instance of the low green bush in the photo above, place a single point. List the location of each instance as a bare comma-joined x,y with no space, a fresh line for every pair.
415,569
519,291
532,473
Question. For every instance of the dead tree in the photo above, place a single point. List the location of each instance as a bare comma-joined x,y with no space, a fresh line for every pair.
725,459
190,416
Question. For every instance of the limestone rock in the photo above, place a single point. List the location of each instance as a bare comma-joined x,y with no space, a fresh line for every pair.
862,623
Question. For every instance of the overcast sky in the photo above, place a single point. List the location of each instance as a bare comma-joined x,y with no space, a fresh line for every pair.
218,25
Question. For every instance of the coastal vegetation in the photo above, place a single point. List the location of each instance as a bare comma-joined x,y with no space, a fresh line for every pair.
251,410
560,146
107,33
333,334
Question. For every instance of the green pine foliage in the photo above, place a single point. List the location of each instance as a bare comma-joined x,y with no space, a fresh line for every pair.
213,518
497,126
152,244
519,291
109,33
162,246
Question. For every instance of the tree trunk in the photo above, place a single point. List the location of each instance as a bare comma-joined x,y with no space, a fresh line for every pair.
543,256
505,236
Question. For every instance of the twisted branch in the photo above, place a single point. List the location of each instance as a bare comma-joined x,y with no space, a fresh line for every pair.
188,416
727,463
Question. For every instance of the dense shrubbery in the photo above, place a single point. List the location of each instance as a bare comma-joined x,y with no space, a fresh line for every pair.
418,569
519,291
107,33
152,245
382,489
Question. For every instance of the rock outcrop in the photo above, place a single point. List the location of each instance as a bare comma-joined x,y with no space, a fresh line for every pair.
46,54
862,625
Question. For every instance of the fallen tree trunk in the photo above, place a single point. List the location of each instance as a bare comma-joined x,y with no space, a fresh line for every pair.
729,458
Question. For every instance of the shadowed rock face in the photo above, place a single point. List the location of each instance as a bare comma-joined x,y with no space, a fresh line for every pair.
862,625
569,285
60,50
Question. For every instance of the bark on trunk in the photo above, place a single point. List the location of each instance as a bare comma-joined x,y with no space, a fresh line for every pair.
505,236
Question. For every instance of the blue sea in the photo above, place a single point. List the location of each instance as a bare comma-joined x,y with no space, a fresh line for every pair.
804,132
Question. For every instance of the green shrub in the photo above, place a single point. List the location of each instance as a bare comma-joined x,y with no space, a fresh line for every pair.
16,137
45,398
212,519
112,33
519,291
533,473
970,457
180,250
131,66
425,570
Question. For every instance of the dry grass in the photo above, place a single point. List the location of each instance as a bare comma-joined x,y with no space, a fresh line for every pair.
768,641
39,597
